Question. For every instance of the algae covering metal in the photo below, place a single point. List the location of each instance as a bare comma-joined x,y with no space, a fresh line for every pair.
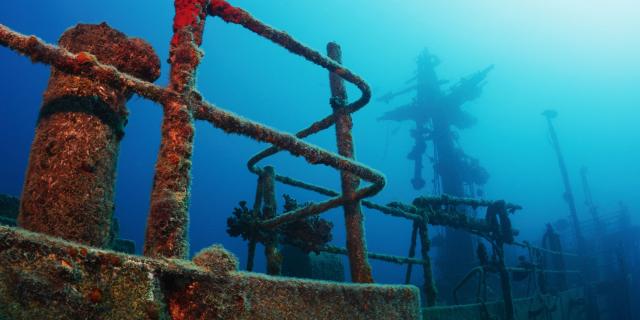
42,277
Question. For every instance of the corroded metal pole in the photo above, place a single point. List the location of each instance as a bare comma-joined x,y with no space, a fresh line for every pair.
501,234
69,185
505,281
356,243
256,212
274,258
377,256
167,224
251,253
412,252
430,290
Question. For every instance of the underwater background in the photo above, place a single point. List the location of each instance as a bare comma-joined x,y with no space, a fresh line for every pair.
577,57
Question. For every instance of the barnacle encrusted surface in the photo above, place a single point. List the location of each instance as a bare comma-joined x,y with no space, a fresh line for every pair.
42,277
69,186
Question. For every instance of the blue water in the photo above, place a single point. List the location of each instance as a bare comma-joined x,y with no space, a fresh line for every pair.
577,57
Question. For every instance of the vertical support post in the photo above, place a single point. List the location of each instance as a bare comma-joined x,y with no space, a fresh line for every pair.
356,243
551,241
535,270
541,278
624,280
274,258
412,252
256,212
481,291
167,224
505,280
251,253
497,218
69,185
430,290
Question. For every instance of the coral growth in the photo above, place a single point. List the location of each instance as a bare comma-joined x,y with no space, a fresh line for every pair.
310,234
243,223
216,258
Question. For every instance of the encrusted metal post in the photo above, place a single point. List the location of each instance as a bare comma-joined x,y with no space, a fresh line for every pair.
412,252
356,243
274,258
69,185
430,291
256,212
251,253
501,234
505,281
167,223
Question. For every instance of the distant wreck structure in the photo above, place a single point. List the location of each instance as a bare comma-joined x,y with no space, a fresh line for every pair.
437,111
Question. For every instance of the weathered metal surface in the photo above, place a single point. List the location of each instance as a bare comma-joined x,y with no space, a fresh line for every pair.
42,277
354,220
167,223
70,181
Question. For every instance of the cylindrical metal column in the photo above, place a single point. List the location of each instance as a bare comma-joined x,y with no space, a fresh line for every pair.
69,185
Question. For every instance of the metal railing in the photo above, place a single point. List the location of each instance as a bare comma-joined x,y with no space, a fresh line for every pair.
182,104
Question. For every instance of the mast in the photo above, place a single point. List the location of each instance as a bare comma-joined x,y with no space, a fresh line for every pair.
437,113
568,193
